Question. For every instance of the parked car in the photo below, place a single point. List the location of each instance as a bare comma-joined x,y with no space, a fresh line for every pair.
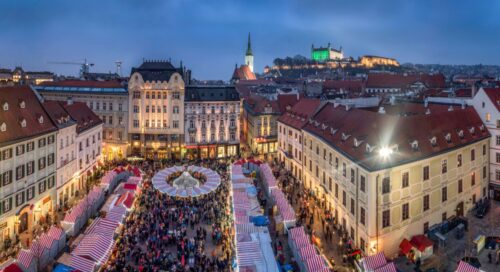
472,261
482,208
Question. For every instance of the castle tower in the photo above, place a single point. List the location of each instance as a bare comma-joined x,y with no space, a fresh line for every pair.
249,55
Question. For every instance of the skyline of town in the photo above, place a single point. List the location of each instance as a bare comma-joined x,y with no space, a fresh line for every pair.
104,32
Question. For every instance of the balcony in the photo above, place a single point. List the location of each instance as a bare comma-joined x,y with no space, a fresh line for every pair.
192,129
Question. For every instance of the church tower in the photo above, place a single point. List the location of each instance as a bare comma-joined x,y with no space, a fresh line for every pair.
249,55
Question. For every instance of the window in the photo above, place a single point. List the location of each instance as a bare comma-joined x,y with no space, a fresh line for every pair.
103,105
50,159
7,205
136,109
473,179
336,190
153,95
362,185
353,206
41,163
136,123
488,117
344,198
41,143
176,109
498,140
352,176
426,172
444,216
317,171
472,154
386,218
30,168
459,160
147,95
110,106
175,124
405,179
30,146
147,108
484,150
362,216
444,194
120,107
484,172
41,187
330,184
176,95
497,175
20,172
406,211
136,95
444,166
153,109
146,123
336,163
386,185
19,149
426,202
460,186
120,120
19,199
344,170
97,106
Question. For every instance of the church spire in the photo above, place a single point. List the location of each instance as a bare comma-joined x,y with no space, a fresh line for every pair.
249,46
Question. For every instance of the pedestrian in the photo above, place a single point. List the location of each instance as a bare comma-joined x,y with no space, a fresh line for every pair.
489,257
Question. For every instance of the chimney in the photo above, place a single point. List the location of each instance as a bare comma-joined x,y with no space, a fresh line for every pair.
426,102
428,111
450,108
473,90
463,104
70,100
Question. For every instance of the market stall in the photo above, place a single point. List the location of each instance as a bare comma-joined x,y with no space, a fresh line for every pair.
42,255
59,236
95,247
27,261
423,246
50,245
102,226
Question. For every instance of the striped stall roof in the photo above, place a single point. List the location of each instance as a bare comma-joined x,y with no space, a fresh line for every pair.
82,264
55,232
465,267
315,264
95,247
46,240
102,226
296,232
391,267
72,216
36,248
25,257
301,241
249,253
307,252
374,261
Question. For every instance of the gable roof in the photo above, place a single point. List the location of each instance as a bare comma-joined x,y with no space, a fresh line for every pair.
299,114
341,129
211,93
59,116
243,72
385,80
286,100
494,96
83,115
31,113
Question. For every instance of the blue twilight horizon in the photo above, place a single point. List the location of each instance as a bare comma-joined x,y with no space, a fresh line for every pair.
210,36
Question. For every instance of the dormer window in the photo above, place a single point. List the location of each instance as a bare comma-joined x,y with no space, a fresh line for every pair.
40,119
333,131
481,127
311,121
324,126
316,123
448,137
357,142
461,134
345,136
369,148
3,127
414,145
22,104
433,141
472,130
5,106
23,123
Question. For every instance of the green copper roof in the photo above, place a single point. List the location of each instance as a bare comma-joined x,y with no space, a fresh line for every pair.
249,47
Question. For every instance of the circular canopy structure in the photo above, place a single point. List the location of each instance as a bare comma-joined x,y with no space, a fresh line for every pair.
189,181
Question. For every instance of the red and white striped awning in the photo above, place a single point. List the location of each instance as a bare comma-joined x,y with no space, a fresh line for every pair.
375,261
116,214
72,216
95,247
301,241
25,257
293,233
36,248
46,241
307,252
389,267
315,263
82,264
102,226
249,253
55,232
465,267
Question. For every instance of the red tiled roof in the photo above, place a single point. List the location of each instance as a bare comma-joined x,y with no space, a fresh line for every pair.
12,118
258,104
347,85
83,83
421,242
494,95
384,80
299,114
386,130
416,108
243,72
57,113
287,100
83,115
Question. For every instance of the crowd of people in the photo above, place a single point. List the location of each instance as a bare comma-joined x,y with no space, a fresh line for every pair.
166,233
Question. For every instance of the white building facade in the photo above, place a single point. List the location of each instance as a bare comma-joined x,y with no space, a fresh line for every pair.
212,125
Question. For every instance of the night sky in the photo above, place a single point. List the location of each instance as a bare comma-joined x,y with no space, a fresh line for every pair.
210,36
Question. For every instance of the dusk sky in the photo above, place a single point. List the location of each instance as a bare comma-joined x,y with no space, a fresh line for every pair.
210,36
